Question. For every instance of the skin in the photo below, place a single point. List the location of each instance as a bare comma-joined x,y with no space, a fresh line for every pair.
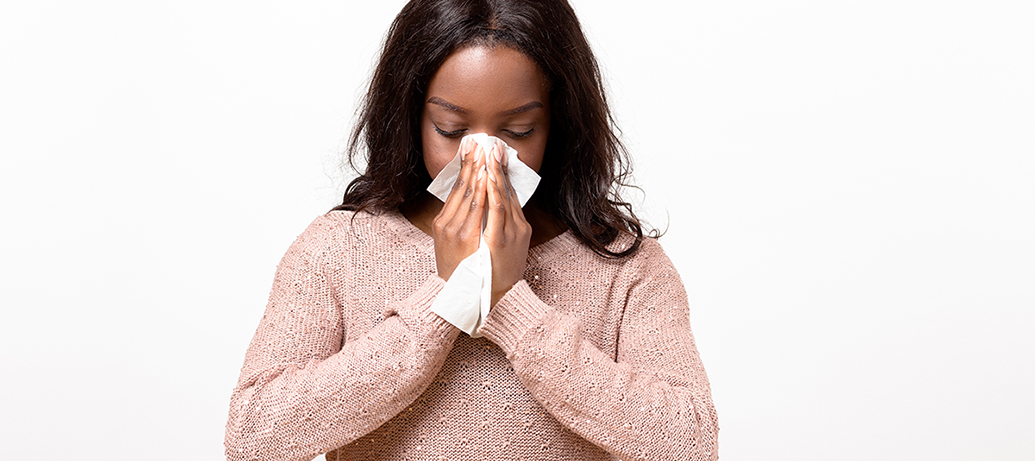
502,92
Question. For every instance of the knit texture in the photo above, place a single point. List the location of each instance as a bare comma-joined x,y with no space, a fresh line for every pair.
584,359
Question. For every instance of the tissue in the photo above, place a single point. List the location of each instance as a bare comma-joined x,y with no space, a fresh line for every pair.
467,296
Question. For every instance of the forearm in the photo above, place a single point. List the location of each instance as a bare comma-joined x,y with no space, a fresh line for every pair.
296,410
629,412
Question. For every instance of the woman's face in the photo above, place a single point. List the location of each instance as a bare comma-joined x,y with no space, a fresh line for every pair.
478,89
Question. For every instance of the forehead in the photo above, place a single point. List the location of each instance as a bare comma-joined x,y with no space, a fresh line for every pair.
480,78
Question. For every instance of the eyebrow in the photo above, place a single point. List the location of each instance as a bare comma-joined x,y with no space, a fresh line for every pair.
455,108
447,105
524,108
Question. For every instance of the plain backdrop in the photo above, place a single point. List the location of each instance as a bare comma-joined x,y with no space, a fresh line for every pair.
848,189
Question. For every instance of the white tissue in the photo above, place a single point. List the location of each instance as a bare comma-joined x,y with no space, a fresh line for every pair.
467,296
522,178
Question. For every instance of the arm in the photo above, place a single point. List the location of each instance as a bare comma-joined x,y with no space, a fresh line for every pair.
653,403
301,391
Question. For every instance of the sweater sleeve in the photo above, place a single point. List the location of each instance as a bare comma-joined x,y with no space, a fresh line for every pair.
653,403
301,391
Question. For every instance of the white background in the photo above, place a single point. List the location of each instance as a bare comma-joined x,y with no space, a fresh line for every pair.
847,187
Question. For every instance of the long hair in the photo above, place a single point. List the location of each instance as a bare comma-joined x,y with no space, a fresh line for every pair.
584,165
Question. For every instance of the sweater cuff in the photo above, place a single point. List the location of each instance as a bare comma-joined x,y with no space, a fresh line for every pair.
518,311
416,313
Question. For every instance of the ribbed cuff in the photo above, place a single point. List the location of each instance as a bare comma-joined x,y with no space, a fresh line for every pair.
415,311
516,312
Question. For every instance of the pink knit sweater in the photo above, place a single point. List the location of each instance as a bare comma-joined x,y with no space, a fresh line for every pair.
585,359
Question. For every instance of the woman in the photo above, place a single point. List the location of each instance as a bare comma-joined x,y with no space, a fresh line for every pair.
587,351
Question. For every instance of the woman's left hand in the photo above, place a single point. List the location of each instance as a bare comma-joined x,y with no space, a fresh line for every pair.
507,233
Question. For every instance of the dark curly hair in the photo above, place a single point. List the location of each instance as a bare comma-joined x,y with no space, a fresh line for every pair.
584,164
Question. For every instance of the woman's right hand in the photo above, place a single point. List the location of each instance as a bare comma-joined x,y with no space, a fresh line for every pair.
457,228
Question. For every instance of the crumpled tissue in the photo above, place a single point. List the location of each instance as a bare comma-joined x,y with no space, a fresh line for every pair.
466,298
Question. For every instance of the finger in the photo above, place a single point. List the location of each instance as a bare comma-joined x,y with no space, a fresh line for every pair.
447,222
497,202
508,187
498,167
463,181
500,171
513,202
492,165
472,161
503,155
475,208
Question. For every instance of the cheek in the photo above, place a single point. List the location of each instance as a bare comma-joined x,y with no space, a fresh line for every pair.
534,160
532,153
437,152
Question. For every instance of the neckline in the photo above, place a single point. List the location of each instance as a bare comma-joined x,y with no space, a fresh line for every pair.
541,252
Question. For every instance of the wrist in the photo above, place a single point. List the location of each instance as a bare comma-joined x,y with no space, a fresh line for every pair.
498,294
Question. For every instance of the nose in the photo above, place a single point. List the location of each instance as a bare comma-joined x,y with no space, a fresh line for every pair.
491,131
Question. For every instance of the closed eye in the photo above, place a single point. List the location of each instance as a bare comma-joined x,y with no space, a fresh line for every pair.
519,135
449,134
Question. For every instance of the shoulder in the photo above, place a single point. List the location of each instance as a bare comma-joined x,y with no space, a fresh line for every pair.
333,230
649,255
326,228
351,221
342,230
336,224
649,264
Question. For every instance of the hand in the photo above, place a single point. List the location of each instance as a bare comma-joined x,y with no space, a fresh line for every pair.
507,233
458,226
